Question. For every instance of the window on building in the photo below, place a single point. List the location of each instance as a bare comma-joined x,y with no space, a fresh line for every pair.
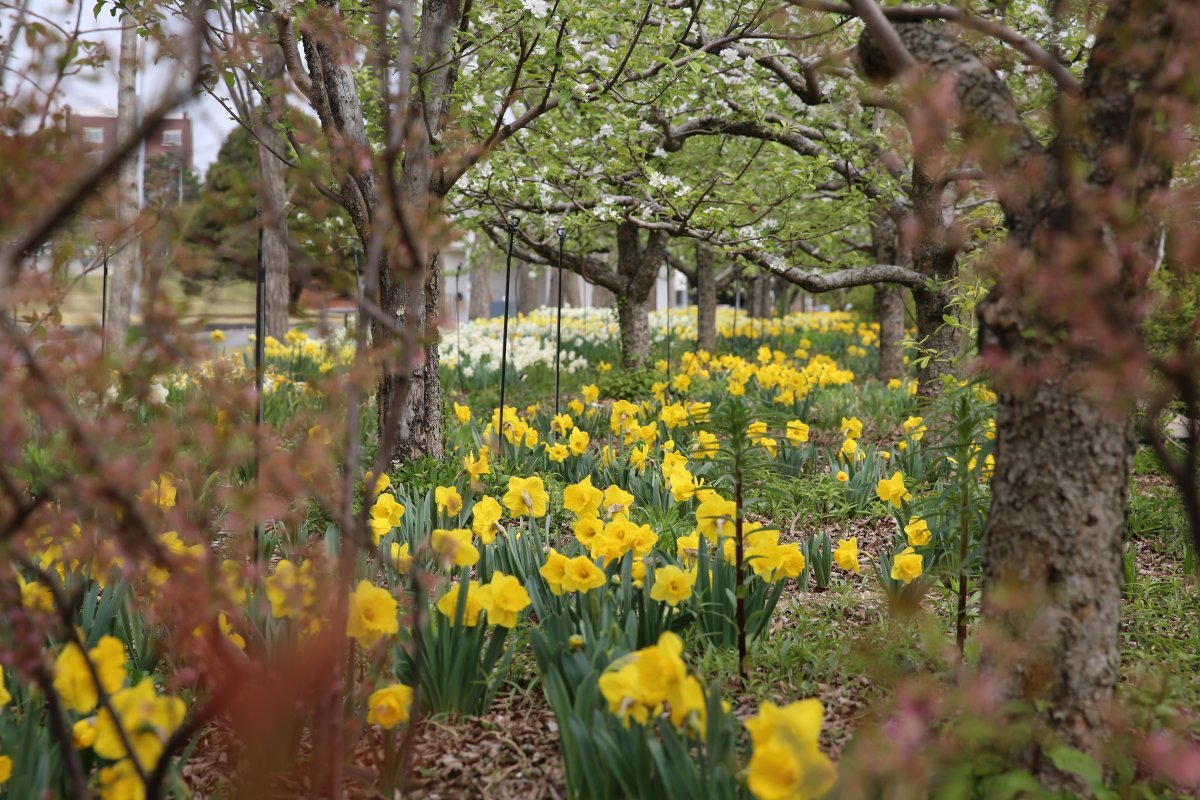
95,135
173,138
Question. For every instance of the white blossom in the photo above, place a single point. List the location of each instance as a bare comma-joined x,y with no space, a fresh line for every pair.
538,8
157,395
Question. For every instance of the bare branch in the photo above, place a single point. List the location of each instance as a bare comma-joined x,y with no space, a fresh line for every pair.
1032,51
291,55
884,34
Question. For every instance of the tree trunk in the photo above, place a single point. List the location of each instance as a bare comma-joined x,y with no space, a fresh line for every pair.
274,219
889,313
638,266
528,290
1052,566
753,296
1052,542
889,301
940,344
481,291
602,297
633,319
572,290
554,278
420,420
124,260
706,301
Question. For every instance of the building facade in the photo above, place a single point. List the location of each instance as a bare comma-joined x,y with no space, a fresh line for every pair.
95,130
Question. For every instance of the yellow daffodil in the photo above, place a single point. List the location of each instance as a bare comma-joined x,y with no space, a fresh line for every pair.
371,614
907,565
845,555
715,517
448,500
386,514
616,500
917,531
583,499
476,467
582,575
400,557
891,490
389,706
672,585
454,546
485,519
448,604
797,432
578,441
787,763
503,599
73,677
526,497
554,571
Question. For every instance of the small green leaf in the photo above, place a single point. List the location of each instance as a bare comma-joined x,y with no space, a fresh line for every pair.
1077,762
1008,785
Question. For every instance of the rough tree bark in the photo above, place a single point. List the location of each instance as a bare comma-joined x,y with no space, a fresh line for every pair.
889,313
637,268
941,344
409,292
1053,536
633,319
706,300
889,301
528,289
124,259
602,297
481,291
572,290
274,200
753,288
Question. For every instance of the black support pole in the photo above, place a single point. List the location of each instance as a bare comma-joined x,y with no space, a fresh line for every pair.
104,305
562,238
512,232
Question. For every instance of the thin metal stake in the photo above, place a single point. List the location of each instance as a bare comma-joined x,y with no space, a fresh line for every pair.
562,238
512,232
104,305
358,284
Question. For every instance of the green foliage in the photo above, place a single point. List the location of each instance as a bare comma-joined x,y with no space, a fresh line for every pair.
627,384
221,225
1174,308
463,666
1156,517
605,759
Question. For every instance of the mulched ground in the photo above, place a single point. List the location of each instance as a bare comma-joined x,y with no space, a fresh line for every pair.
512,752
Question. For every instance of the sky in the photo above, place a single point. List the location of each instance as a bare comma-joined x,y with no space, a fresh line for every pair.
98,88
